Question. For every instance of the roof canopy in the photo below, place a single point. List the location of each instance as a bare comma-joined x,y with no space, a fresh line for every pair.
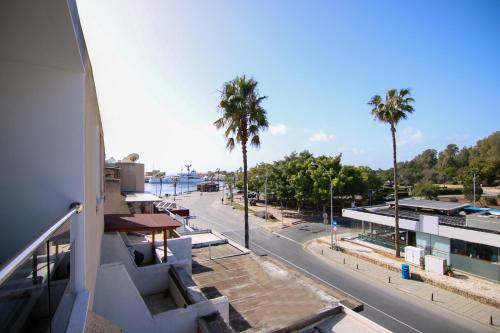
431,204
141,197
138,222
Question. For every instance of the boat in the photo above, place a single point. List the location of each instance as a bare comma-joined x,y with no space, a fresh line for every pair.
180,178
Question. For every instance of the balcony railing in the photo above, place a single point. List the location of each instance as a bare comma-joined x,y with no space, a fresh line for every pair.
34,280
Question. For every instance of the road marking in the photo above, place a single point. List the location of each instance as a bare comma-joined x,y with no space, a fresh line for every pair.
287,238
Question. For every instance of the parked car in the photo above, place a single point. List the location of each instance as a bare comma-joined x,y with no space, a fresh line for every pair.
389,197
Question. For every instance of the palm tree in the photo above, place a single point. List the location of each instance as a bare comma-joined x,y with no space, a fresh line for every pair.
242,118
395,106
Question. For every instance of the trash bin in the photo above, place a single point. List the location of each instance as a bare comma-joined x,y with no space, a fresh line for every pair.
405,271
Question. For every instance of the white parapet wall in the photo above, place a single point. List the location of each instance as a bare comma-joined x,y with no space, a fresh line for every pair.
147,279
118,300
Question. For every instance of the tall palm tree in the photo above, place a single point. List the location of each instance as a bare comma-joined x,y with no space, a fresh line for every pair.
395,106
242,118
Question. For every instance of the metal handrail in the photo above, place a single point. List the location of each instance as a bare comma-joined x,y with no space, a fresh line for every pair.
8,269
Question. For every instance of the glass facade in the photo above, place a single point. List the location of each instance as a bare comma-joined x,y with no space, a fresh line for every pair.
474,251
479,259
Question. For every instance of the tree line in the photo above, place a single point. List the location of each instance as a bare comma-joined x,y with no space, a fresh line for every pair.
303,180
454,165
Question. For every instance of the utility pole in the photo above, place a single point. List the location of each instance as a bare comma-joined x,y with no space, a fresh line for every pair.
474,188
265,194
218,179
331,205
188,167
180,180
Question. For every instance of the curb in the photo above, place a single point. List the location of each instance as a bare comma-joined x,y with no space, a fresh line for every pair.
418,277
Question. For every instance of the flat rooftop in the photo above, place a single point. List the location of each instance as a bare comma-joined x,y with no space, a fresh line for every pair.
141,197
264,294
441,206
453,220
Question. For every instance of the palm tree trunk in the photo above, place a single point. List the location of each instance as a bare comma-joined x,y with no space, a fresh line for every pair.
245,190
396,202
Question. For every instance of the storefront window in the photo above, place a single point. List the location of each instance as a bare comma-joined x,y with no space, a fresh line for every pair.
474,250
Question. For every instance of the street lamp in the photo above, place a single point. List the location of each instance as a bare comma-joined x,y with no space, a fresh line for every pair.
188,167
474,188
265,193
218,180
331,204
180,180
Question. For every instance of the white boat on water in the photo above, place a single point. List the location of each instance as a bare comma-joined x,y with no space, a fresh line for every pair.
183,178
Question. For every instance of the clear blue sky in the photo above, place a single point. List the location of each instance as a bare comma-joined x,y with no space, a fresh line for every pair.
159,64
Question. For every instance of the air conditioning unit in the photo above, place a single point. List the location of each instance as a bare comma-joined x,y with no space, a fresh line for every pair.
435,264
414,255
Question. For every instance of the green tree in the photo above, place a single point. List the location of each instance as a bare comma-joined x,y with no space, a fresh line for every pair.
467,180
447,163
350,182
243,117
485,157
396,105
426,189
320,170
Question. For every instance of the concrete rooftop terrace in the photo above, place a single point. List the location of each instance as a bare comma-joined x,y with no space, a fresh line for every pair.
264,295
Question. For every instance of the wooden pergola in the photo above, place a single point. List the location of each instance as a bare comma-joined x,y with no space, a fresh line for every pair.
142,222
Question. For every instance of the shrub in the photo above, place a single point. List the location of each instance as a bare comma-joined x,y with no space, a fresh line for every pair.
491,200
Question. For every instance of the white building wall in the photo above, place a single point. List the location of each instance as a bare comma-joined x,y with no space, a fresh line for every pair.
41,148
443,230
51,139
94,181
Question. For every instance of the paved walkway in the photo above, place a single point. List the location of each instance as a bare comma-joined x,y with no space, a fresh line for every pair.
471,286
448,300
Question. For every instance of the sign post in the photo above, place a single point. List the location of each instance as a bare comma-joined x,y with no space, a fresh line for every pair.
333,229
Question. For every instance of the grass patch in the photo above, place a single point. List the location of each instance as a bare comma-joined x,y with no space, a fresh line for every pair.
242,207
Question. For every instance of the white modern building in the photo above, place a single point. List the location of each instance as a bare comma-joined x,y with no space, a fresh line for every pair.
59,270
468,238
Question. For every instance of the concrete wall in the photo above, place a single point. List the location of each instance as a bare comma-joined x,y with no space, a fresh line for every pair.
148,279
42,150
114,202
131,176
94,180
118,300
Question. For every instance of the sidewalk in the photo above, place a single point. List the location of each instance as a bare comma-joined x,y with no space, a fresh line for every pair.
362,259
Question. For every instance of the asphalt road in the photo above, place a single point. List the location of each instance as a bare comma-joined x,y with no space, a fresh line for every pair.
395,310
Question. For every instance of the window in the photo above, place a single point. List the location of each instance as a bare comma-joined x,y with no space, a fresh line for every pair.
474,250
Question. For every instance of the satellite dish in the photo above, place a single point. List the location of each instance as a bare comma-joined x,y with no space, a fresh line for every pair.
131,158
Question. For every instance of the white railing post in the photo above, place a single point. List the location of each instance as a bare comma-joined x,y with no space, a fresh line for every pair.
78,264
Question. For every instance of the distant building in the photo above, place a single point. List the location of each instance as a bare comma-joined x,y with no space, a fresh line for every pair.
208,186
466,237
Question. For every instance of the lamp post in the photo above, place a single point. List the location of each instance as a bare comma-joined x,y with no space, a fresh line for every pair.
331,204
218,181
188,167
474,188
180,180
265,193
